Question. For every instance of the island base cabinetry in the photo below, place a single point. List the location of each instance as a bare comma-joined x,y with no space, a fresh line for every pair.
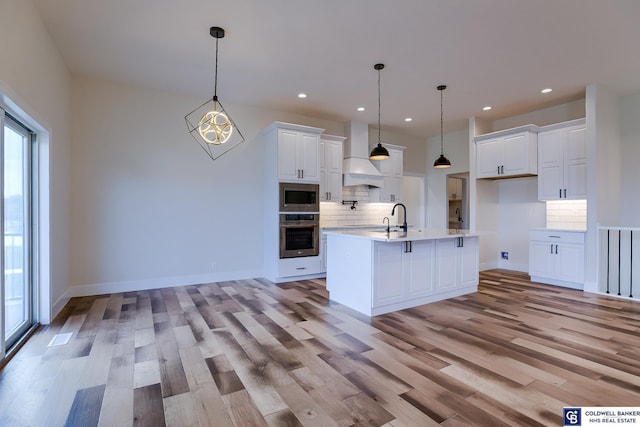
376,277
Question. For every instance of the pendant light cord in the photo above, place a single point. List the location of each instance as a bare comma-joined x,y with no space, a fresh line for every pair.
441,126
215,78
379,107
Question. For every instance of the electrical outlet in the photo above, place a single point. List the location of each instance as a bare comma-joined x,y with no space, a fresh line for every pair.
504,255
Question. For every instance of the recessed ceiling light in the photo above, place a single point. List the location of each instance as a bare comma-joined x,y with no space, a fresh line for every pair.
302,95
408,119
487,108
547,90
360,108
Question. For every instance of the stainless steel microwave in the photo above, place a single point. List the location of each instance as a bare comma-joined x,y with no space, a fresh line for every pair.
296,197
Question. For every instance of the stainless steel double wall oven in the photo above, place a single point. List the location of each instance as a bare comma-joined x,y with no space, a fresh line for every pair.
299,220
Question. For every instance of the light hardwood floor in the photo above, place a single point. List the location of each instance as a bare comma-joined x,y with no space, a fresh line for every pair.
252,353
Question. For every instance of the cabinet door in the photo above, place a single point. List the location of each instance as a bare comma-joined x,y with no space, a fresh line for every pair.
308,157
541,258
323,254
395,173
446,275
467,262
419,268
324,184
551,164
454,188
488,158
334,170
388,283
515,154
569,263
575,157
287,155
550,182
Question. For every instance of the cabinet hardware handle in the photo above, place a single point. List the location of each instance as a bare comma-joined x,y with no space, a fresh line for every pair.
560,193
301,268
329,195
498,170
551,248
302,172
565,193
502,169
555,237
556,249
408,246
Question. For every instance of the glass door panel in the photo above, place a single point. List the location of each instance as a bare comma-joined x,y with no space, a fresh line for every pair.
16,232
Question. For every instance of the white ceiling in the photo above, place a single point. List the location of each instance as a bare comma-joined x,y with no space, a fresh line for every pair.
489,52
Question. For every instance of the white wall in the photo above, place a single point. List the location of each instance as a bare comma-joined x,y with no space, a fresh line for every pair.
546,116
603,171
630,140
34,76
519,211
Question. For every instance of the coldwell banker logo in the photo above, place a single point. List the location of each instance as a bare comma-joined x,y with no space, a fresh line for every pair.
572,416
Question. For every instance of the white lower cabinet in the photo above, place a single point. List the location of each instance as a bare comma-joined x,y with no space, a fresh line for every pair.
376,276
288,267
403,270
557,257
389,278
456,263
407,270
323,253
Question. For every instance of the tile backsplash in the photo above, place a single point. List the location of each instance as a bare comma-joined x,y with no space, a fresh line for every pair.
334,214
567,214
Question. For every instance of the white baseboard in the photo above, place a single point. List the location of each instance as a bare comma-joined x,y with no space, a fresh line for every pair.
488,266
155,283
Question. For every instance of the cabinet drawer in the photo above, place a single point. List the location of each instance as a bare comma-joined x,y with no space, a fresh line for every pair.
299,266
557,236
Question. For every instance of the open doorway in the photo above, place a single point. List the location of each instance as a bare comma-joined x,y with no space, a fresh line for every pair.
458,200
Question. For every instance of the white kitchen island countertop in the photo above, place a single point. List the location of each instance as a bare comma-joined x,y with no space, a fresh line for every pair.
381,235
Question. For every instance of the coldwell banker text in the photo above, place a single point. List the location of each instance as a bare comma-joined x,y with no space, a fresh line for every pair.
594,416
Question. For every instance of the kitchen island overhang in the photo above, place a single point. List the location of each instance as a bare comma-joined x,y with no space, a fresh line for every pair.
375,272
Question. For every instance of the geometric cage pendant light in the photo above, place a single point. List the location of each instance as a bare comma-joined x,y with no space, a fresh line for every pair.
210,124
441,162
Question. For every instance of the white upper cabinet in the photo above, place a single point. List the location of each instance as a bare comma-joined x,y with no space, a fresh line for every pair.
454,188
331,168
298,156
562,161
507,154
392,170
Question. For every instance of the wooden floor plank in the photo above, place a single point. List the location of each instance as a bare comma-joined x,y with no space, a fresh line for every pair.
249,352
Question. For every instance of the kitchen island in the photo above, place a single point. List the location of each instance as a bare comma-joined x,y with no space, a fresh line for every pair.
375,272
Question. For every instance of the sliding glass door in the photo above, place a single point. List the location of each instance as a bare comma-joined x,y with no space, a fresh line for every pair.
17,230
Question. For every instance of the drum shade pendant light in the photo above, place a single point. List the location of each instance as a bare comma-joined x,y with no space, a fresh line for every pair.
441,162
379,152
210,124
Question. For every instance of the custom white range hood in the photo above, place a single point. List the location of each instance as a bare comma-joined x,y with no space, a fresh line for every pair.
357,169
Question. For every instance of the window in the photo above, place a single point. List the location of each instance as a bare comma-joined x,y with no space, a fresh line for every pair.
17,190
